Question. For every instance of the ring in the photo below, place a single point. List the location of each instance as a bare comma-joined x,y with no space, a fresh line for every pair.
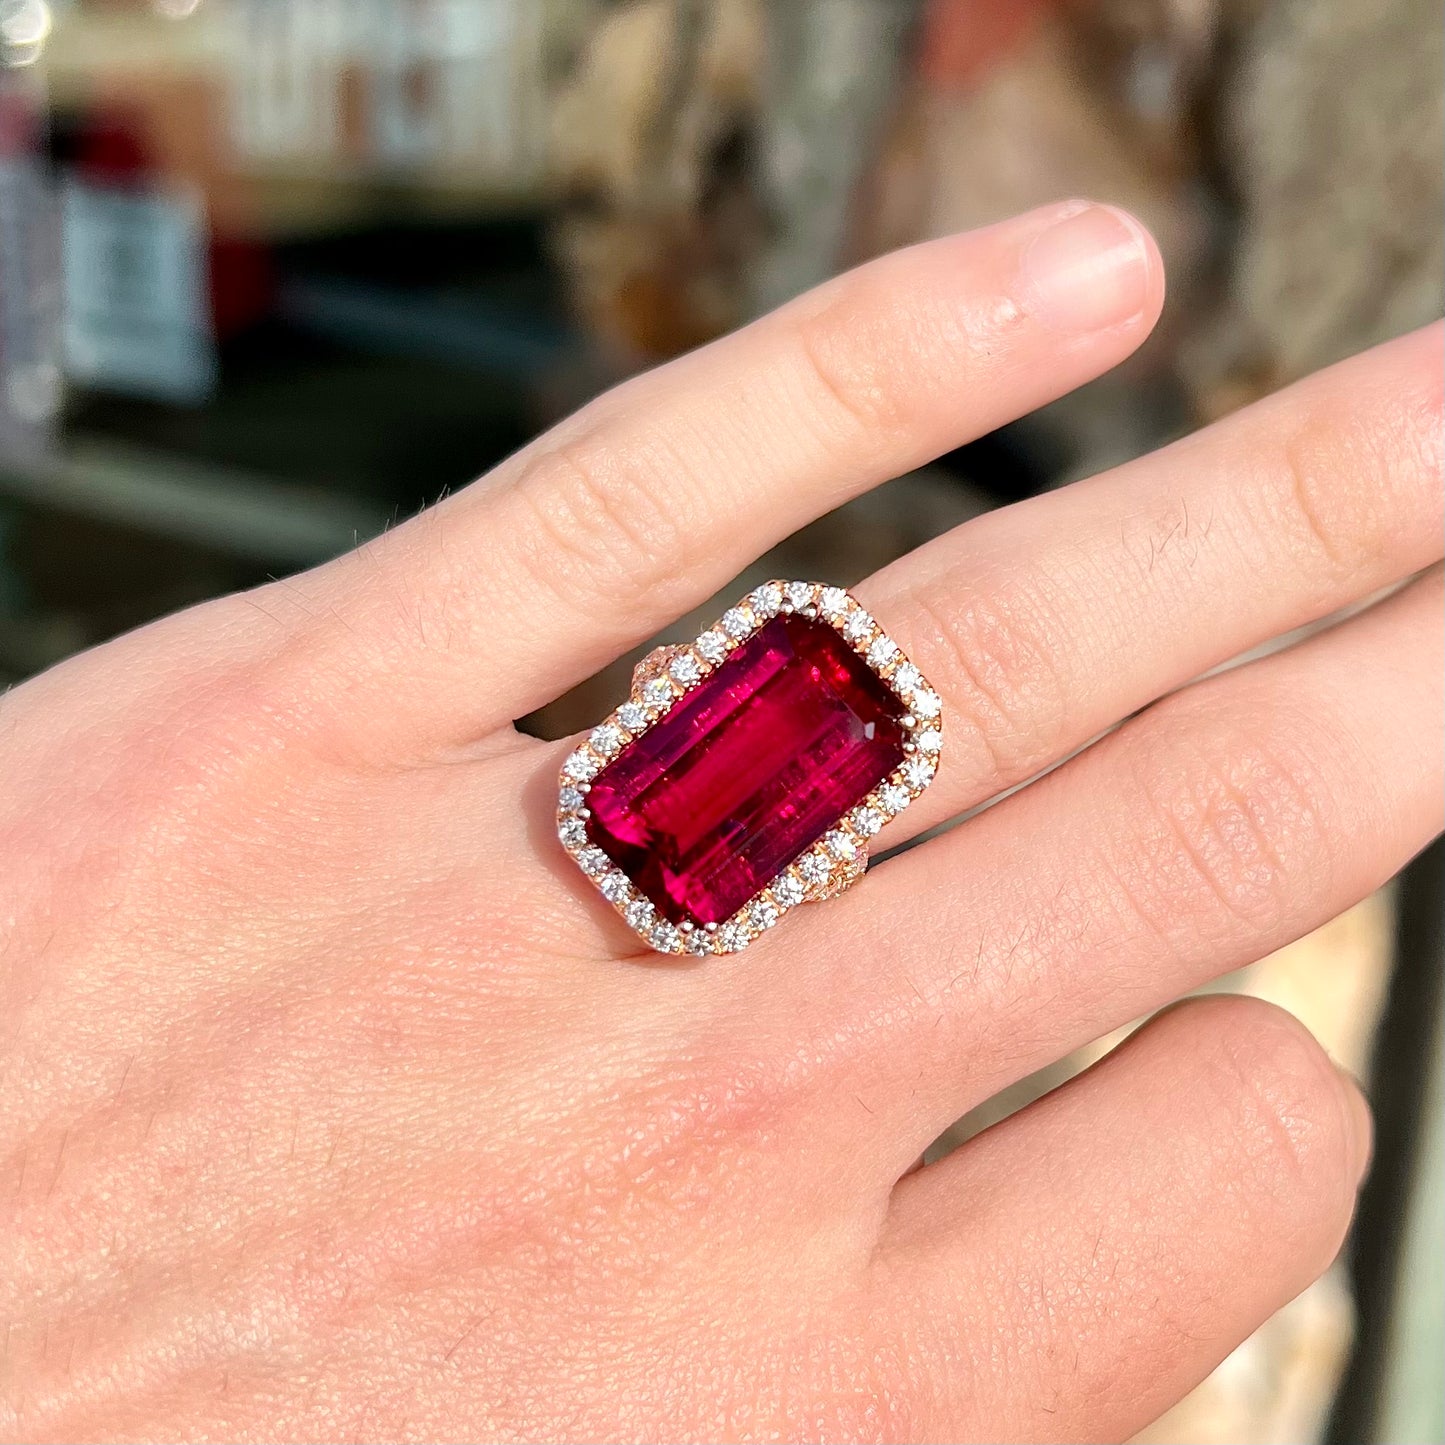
749,768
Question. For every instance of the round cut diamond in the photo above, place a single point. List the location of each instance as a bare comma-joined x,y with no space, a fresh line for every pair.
814,867
840,845
893,797
658,692
666,937
697,942
733,937
789,890
882,652
736,623
606,739
614,887
640,913
594,862
712,645
833,601
926,704
918,772
572,832
766,599
763,913
632,716
685,669
858,626
867,821
800,594
569,800
907,678
929,741
582,767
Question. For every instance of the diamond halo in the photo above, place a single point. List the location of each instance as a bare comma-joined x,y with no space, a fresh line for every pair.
664,678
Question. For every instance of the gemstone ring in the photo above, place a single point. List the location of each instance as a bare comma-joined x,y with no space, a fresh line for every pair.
749,769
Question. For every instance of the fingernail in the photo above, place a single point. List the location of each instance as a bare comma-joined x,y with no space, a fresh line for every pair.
1361,1124
1087,271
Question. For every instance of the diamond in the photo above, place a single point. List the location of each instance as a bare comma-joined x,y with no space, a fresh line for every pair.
929,741
614,886
841,846
666,937
593,862
570,799
713,646
926,704
867,821
893,799
918,773
882,652
833,601
747,771
800,594
658,692
763,914
858,626
907,678
685,669
640,913
789,890
766,599
572,832
606,739
814,867
632,716
698,942
733,938
582,766
736,622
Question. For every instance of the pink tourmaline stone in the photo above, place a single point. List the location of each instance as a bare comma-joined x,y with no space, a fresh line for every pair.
747,771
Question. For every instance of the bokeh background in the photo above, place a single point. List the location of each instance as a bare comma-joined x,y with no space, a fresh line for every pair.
274,273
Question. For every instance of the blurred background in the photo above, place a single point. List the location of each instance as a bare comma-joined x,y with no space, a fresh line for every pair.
274,273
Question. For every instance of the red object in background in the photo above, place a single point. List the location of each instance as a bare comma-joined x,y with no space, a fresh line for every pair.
962,38
111,152
19,123
750,769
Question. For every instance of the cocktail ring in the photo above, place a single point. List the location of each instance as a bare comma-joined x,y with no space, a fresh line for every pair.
748,769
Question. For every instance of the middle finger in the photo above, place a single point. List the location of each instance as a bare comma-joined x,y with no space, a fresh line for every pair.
1219,825
1045,623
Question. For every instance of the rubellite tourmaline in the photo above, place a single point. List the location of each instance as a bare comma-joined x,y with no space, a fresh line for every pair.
752,767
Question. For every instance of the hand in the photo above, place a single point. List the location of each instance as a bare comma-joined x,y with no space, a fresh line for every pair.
334,1103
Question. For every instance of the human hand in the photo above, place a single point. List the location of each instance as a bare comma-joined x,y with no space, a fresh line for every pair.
334,1103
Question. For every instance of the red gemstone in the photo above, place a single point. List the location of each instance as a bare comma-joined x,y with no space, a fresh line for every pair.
747,771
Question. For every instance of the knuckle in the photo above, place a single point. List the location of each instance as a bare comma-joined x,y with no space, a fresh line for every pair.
1346,466
1325,516
1232,821
591,515
856,357
990,655
1282,1115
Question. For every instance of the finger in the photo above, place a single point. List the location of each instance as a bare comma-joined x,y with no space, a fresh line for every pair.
1219,825
648,500
1070,1273
1045,623
1041,625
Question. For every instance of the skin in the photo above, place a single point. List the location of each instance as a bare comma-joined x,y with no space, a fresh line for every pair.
335,1105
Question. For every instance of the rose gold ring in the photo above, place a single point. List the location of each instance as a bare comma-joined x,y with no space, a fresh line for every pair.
749,769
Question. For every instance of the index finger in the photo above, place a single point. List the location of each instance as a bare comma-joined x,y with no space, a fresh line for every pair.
648,500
